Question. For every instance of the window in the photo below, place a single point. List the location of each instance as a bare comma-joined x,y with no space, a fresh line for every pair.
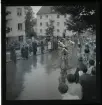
19,11
46,23
21,38
19,26
58,16
64,23
41,30
46,16
58,23
57,30
40,24
40,17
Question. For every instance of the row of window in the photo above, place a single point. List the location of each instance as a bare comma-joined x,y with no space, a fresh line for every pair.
45,30
58,23
19,11
20,27
58,16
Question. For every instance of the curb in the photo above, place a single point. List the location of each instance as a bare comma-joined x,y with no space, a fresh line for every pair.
29,56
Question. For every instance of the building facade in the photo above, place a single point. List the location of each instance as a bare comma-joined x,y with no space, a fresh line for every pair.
44,15
15,20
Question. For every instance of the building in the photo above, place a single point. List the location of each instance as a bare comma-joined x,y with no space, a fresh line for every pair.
47,13
15,21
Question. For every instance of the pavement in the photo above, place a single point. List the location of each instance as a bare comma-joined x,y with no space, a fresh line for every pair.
35,78
18,54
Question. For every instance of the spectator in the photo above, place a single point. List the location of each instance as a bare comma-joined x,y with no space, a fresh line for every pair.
49,45
77,75
81,64
91,65
63,88
74,89
12,53
34,45
26,51
83,70
22,51
30,49
87,51
88,83
42,47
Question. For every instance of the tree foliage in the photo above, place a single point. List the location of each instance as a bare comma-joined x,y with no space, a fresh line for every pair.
83,15
50,29
29,20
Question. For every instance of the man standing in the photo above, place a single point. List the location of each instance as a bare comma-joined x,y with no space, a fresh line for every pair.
26,51
34,45
22,51
12,53
42,47
88,83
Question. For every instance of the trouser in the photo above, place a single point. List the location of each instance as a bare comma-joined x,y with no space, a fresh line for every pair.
34,52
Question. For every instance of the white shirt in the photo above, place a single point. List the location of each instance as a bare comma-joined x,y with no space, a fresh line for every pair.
68,96
80,73
89,70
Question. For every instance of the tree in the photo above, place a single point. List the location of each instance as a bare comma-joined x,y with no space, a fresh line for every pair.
80,12
50,29
29,20
82,16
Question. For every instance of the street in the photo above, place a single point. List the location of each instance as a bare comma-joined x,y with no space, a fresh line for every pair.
35,78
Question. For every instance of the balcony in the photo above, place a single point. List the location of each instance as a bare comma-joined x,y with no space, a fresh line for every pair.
8,15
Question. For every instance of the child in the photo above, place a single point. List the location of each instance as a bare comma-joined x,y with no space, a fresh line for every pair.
91,65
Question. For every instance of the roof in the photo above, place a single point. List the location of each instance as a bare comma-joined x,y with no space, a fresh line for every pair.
45,10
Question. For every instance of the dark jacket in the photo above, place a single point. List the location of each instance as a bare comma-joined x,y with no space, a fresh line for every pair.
76,75
88,83
34,45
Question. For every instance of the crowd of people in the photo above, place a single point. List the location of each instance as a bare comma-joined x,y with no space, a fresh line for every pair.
27,49
82,84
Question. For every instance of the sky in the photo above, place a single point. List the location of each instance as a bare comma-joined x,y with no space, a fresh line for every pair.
36,9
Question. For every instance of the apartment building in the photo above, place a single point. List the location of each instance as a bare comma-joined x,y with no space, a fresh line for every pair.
47,13
15,20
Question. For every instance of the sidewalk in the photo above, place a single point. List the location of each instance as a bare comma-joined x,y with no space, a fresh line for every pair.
18,54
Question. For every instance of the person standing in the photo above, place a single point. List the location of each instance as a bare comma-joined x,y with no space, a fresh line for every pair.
34,45
88,83
74,88
42,47
13,53
49,45
22,51
87,51
26,51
